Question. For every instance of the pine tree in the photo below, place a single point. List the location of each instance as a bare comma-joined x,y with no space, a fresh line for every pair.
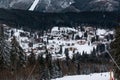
41,60
97,38
18,56
45,74
60,52
14,57
4,50
31,58
67,54
93,40
85,34
55,72
93,53
115,51
48,66
12,32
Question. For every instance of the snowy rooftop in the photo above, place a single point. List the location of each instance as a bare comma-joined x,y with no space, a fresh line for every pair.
101,31
80,45
63,28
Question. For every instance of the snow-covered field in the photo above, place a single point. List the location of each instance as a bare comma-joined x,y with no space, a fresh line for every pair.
95,76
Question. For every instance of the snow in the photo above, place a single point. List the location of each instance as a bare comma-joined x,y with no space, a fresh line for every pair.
63,29
107,5
54,29
95,76
111,32
80,34
23,41
53,46
73,46
101,32
34,5
86,48
79,47
72,29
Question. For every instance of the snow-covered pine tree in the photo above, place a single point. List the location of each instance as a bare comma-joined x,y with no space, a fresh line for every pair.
18,56
115,51
41,60
55,72
67,54
31,58
93,53
46,75
48,65
4,50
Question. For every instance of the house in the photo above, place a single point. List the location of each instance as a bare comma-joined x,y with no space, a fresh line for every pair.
81,42
89,29
53,48
57,31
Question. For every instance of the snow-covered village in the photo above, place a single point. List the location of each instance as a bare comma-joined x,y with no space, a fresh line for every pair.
59,39
63,51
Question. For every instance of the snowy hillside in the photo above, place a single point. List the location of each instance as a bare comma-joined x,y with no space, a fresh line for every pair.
104,5
57,52
62,5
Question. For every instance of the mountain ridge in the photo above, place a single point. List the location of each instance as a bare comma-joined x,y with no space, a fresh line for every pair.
37,20
60,5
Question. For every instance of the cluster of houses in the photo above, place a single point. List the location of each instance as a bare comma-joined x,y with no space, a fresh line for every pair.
57,39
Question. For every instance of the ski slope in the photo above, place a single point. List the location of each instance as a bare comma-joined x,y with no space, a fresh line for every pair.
33,5
95,76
